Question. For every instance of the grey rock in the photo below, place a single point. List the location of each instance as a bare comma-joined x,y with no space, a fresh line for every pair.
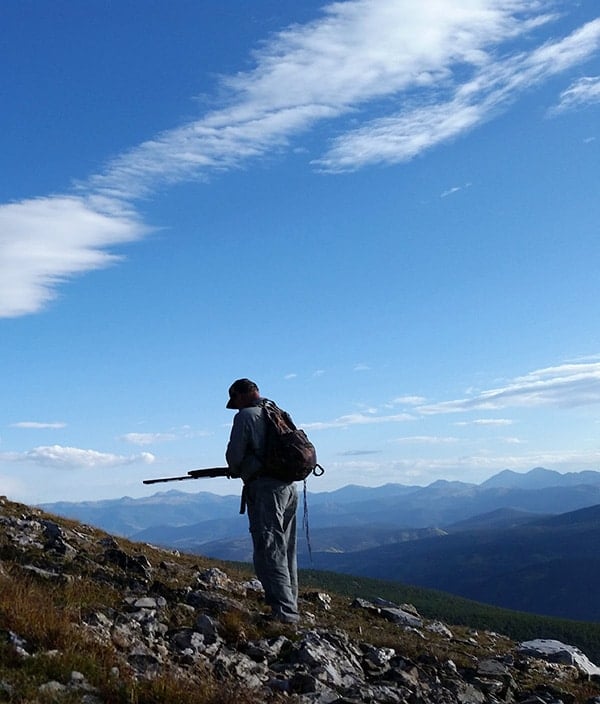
491,668
214,578
241,667
401,617
208,627
52,688
144,662
266,650
440,629
555,651
321,599
44,574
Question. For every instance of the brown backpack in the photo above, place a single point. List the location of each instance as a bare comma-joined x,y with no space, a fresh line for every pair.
289,454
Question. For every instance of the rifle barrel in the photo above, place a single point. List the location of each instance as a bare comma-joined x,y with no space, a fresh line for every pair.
167,479
193,474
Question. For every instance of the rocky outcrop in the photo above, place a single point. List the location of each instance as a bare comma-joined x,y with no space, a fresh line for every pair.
189,619
555,651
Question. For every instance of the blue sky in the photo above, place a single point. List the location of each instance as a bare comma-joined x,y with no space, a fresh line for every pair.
385,213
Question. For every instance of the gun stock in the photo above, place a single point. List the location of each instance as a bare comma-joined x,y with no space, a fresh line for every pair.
193,474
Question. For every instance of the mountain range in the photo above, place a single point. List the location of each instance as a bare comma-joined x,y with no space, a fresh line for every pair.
523,541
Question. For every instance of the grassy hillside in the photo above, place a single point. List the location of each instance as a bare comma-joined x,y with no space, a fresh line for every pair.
67,590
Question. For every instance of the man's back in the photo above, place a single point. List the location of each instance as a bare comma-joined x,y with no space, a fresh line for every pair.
246,446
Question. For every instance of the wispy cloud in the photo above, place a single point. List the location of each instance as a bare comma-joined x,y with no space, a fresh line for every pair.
425,440
408,400
358,419
567,385
453,190
400,137
185,432
147,438
450,192
75,458
585,91
31,424
485,421
513,441
411,74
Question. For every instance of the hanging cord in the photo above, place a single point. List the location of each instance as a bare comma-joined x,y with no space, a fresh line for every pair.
317,471
305,524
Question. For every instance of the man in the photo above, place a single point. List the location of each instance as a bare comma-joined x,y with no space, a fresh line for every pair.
271,503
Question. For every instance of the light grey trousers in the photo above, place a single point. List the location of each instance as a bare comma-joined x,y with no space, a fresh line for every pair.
272,506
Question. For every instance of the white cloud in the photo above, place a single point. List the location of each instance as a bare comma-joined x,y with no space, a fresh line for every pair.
425,440
357,419
566,385
585,91
409,400
486,421
453,190
427,69
147,438
400,137
74,458
450,192
44,241
37,425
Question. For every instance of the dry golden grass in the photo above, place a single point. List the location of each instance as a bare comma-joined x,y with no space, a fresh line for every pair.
48,618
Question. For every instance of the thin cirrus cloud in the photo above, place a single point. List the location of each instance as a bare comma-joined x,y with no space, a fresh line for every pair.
486,421
585,91
409,400
425,440
567,385
37,425
357,419
147,438
58,456
360,58
400,137
144,439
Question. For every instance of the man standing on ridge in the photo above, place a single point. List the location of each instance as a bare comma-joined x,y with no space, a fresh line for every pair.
271,503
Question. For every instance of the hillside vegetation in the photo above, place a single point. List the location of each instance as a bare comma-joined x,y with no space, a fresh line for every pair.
87,618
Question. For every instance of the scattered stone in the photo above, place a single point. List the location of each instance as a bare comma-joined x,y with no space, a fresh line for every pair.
321,599
440,629
180,622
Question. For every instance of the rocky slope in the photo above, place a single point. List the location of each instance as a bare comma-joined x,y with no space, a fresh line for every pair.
85,617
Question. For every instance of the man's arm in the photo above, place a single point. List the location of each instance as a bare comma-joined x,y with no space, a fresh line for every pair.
238,444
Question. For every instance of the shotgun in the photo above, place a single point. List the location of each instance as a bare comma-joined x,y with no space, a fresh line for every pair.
193,474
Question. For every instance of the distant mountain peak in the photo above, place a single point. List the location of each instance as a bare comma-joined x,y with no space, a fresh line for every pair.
536,478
